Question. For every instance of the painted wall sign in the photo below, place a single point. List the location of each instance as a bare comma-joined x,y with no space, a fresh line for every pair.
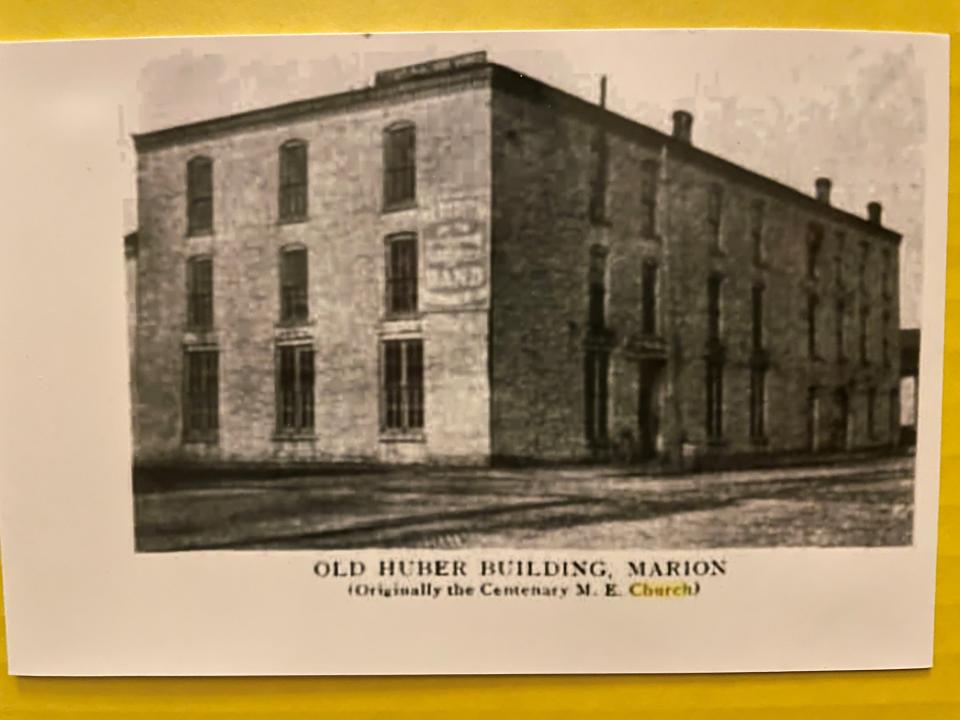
455,264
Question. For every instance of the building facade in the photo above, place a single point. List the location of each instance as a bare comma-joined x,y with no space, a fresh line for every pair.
460,263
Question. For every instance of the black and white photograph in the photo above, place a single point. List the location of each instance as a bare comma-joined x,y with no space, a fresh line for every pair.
525,290
472,353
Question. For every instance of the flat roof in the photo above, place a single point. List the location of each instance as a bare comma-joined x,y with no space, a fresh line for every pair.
474,67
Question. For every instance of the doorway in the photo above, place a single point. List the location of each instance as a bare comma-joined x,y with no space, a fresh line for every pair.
841,432
648,408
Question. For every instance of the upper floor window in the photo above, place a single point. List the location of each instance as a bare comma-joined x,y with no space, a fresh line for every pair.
714,213
597,299
199,195
864,260
885,280
399,165
757,213
648,197
885,337
840,319
293,181
200,293
814,244
864,320
714,285
599,151
401,274
838,258
812,306
294,305
757,316
649,292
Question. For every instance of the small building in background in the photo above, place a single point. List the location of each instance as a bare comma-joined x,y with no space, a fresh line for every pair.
909,384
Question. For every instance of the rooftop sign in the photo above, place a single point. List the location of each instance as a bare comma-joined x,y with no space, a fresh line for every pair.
409,72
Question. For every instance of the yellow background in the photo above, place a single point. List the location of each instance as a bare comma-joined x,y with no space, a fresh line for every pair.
812,696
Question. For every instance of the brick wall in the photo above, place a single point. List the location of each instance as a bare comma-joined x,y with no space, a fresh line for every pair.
783,273
542,235
344,235
542,239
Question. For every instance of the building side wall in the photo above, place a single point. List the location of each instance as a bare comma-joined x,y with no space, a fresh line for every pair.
543,166
344,234
542,240
792,373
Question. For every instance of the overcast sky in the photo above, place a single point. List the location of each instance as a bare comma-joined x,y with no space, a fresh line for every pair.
790,105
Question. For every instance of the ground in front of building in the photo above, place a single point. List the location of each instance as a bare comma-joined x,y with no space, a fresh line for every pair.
863,503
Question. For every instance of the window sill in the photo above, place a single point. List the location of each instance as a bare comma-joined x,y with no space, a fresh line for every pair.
299,220
203,440
402,317
206,232
402,436
399,207
294,324
292,436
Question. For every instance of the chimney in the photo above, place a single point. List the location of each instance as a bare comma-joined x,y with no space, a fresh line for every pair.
823,185
682,125
874,211
603,91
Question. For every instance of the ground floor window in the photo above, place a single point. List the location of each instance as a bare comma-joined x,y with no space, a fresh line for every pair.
201,395
813,418
295,381
758,402
841,433
893,410
402,385
596,390
714,392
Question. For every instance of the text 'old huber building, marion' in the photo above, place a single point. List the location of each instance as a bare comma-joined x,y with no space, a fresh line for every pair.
463,264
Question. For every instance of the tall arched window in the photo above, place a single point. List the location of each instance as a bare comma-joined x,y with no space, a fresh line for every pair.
200,292
199,195
399,165
294,296
293,181
649,173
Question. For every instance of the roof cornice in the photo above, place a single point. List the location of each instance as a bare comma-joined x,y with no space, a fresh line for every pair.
452,79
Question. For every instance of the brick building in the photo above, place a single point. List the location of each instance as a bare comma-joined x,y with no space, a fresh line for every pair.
460,263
